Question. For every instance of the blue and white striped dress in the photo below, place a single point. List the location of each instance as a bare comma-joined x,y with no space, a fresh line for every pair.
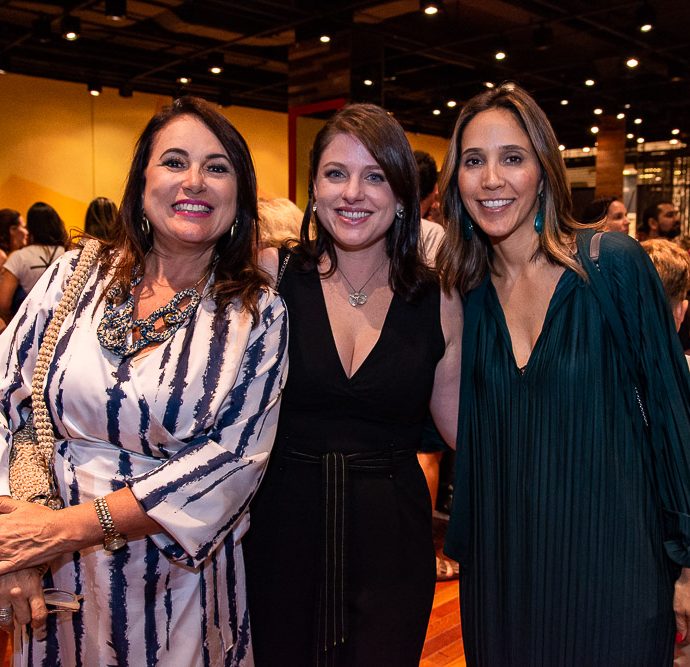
189,427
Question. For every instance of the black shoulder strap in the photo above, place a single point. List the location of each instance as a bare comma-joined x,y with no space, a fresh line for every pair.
283,259
590,262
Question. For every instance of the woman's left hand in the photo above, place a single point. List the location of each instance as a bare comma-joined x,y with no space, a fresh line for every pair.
27,535
681,604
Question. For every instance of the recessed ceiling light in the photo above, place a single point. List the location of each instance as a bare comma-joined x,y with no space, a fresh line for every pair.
620,116
116,10
500,55
70,27
594,129
451,104
564,102
673,142
645,19
586,149
626,106
630,135
640,140
430,8
632,62
638,121
324,39
598,111
216,62
94,89
675,131
589,82
436,112
489,84
368,82
561,147
184,80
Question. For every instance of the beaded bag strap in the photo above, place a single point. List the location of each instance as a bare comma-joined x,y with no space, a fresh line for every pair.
75,285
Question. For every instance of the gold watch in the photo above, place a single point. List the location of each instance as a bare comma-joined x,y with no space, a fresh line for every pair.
112,539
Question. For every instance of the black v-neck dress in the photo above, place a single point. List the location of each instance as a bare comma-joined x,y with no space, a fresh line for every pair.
339,555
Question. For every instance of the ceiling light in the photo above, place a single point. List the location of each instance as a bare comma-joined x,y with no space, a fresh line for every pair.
368,82
626,106
216,63
42,30
561,147
646,18
324,39
436,112
489,84
564,102
598,111
70,27
586,149
594,129
589,82
632,62
116,10
429,8
630,135
94,89
640,140
638,121
673,142
500,54
620,116
451,104
184,80
675,131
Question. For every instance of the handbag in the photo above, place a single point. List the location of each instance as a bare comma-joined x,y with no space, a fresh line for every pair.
31,470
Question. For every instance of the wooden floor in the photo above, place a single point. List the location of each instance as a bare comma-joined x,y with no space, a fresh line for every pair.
443,646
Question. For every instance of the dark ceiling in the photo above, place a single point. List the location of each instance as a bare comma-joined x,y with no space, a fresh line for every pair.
416,63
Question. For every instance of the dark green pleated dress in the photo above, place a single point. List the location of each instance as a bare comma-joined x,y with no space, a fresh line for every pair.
569,524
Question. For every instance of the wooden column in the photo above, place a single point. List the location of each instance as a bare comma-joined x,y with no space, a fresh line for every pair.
610,157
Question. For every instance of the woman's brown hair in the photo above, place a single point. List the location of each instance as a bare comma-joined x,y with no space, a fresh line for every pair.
463,263
238,279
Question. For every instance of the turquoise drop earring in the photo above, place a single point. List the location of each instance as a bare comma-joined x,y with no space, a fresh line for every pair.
467,227
539,217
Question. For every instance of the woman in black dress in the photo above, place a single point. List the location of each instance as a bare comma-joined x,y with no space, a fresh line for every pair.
341,560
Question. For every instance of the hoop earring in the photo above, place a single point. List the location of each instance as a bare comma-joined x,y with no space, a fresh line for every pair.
145,224
539,217
313,208
233,227
467,226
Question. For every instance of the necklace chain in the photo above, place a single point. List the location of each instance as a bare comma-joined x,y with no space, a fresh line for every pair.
116,325
358,297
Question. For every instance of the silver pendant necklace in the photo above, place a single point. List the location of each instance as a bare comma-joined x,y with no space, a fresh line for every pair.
358,297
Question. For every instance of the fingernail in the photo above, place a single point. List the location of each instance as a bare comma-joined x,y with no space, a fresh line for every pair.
679,638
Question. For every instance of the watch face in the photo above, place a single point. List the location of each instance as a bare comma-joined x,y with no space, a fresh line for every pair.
115,543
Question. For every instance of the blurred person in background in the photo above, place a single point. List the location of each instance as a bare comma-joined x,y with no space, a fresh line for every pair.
101,219
610,211
13,232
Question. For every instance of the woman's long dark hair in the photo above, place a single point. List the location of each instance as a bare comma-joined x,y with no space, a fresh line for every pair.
8,218
238,279
385,140
45,226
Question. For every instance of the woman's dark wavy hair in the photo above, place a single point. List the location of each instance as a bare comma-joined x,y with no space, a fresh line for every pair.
8,218
463,263
385,140
101,218
45,226
238,279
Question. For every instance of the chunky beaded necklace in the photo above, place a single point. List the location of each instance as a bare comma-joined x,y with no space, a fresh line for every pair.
116,325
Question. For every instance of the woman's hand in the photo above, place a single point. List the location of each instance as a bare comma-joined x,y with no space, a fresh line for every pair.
681,604
22,592
27,535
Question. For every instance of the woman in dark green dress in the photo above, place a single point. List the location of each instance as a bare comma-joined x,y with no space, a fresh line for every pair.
571,516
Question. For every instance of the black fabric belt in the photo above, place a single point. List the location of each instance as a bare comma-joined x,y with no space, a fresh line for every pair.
335,466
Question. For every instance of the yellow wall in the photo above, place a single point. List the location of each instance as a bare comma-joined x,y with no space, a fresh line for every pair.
65,147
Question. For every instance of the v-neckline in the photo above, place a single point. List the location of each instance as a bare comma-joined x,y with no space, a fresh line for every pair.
331,334
556,299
